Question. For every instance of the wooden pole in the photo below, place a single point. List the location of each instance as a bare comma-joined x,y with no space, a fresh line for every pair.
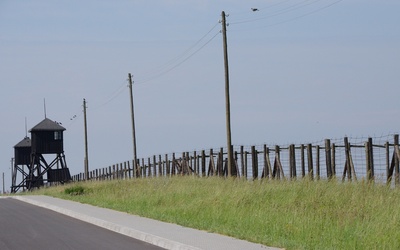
227,97
133,122
86,142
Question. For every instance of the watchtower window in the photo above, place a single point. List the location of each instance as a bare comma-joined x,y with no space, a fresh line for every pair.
57,135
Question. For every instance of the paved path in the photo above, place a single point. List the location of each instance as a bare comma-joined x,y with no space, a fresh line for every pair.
165,235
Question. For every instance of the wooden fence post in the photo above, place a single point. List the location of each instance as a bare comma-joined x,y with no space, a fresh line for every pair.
203,163
349,165
154,166
346,170
125,173
245,163
265,173
149,173
173,164
211,166
189,164
196,171
369,155
278,169
129,169
292,161
160,166
220,162
183,164
310,162
394,166
397,159
242,161
167,169
303,164
318,162
143,169
333,161
235,171
387,149
254,162
328,158
267,162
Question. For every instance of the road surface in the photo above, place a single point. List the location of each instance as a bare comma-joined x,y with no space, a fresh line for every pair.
25,226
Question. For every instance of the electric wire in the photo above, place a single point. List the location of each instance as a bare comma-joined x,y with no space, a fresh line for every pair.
190,52
286,20
112,96
279,12
185,52
259,8
178,60
160,71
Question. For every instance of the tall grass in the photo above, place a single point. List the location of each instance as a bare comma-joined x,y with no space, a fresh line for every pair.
299,214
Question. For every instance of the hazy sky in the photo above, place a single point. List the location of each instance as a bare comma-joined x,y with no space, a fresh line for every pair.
300,71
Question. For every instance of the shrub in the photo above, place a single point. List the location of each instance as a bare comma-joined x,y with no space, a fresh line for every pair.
75,190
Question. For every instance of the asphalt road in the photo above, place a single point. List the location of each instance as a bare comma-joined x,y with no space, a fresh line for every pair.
25,226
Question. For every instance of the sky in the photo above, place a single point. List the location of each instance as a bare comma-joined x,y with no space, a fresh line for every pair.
300,71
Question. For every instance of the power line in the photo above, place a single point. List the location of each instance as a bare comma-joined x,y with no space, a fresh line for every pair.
288,9
112,96
160,68
180,63
242,13
275,12
301,16
179,60
189,53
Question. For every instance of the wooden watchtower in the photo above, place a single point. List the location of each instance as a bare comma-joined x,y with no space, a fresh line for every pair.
22,159
47,140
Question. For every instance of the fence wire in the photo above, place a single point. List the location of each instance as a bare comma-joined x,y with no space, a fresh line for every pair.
318,160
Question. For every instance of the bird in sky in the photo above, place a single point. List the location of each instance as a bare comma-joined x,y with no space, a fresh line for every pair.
254,9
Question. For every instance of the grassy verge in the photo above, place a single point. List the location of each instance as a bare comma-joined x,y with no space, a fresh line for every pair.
290,214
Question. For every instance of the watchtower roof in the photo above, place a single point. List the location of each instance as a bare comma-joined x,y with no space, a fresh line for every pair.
25,143
47,125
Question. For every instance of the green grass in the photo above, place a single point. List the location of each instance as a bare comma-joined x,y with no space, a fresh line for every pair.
290,214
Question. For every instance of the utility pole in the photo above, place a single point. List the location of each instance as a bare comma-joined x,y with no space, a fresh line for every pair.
133,126
4,191
227,98
86,161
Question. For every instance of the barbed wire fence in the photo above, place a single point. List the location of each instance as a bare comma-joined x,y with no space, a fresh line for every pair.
348,159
